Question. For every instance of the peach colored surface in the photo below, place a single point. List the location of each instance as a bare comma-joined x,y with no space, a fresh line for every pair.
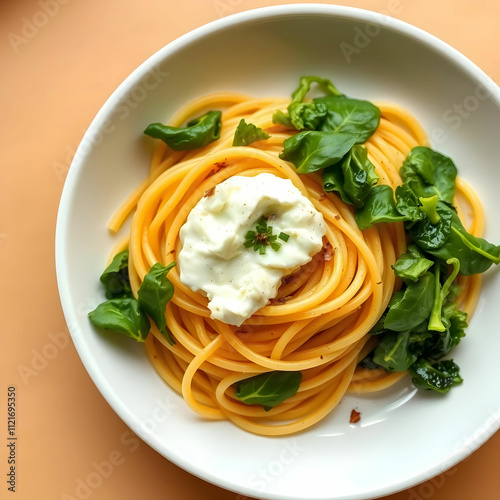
60,60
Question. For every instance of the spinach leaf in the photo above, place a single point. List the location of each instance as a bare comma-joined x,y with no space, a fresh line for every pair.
310,150
154,293
352,178
410,309
429,236
305,84
115,277
412,265
379,207
347,115
407,202
247,133
281,118
433,172
332,113
442,343
435,322
393,352
440,377
306,114
268,389
198,133
449,239
122,315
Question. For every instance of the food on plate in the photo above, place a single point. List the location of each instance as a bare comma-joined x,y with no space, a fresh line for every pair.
285,252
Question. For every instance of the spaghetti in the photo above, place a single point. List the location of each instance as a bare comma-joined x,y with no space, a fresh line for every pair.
319,322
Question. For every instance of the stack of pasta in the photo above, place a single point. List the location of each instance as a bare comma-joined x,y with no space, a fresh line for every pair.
319,322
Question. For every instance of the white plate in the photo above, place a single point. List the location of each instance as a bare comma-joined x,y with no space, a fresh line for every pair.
403,437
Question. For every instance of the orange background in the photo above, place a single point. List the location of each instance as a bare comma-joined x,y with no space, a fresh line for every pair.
60,60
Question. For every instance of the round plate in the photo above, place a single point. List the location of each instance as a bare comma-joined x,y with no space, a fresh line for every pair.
404,437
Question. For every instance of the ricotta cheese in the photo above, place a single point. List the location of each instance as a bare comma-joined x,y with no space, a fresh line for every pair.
214,261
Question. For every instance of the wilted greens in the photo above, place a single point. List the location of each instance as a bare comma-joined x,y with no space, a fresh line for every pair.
122,312
247,133
153,295
198,132
352,178
115,279
122,315
422,323
310,151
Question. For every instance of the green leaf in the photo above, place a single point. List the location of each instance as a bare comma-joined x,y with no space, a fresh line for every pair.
449,239
435,322
115,278
352,116
268,389
247,133
440,377
122,315
306,114
393,352
409,310
305,84
282,118
442,343
433,172
352,178
303,115
198,133
153,295
429,236
332,113
379,207
412,265
310,151
407,202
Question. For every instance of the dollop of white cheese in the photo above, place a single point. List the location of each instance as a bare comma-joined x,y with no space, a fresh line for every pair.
238,281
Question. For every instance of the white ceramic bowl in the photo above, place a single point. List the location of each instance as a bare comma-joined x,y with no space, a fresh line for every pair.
403,438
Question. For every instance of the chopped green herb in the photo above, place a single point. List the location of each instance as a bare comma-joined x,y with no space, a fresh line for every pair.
263,236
